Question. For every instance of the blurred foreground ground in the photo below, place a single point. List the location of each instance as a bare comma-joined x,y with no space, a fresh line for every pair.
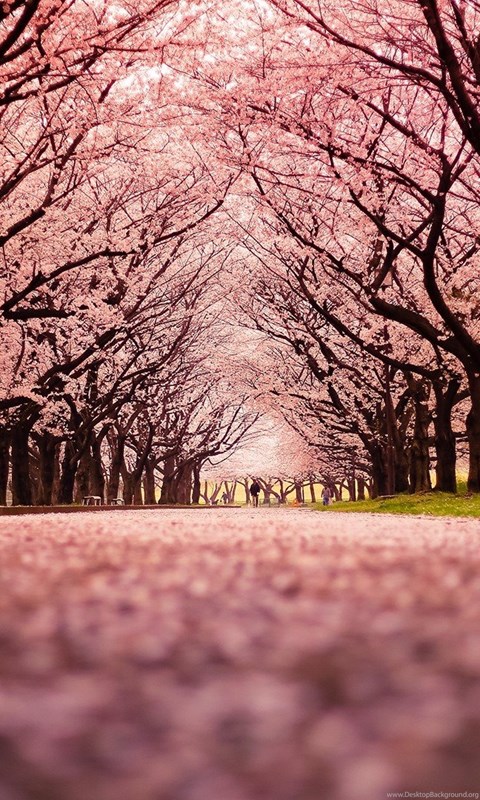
241,655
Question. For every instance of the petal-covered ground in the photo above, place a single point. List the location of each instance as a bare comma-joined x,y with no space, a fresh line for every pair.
238,655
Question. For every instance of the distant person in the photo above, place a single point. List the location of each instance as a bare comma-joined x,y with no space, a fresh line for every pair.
255,491
326,496
224,498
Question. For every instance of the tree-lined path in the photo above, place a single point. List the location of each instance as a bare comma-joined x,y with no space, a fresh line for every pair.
224,215
238,240
238,655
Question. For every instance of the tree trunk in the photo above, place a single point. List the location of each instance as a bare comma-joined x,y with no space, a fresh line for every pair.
352,490
361,488
4,464
379,473
401,466
267,489
128,487
82,478
183,488
21,481
313,498
167,482
419,466
204,494
216,492
67,478
117,443
391,430
473,434
97,477
267,496
445,445
228,491
149,482
137,492
419,450
196,484
56,474
132,481
47,447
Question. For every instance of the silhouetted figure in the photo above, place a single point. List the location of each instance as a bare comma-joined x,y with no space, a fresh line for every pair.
255,491
326,496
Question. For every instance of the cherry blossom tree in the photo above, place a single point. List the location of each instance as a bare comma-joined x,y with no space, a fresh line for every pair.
310,170
371,178
101,199
398,139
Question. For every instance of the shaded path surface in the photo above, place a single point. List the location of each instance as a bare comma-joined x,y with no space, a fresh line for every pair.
279,654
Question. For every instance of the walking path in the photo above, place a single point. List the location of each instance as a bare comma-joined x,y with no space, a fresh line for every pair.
243,655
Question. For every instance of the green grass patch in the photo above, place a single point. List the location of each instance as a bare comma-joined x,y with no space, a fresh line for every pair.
431,504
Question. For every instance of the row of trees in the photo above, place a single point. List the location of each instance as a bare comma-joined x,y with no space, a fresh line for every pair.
108,309
171,172
278,491
357,125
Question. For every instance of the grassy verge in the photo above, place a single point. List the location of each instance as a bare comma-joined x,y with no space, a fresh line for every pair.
432,504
